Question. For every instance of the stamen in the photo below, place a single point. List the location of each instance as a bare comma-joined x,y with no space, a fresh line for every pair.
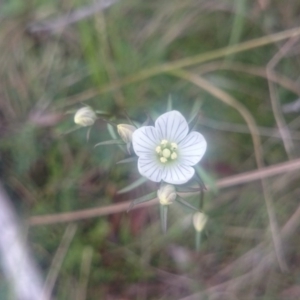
163,160
164,142
173,146
158,149
174,155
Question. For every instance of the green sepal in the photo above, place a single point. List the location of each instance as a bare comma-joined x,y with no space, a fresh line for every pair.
185,203
133,185
110,142
142,199
127,160
164,217
149,121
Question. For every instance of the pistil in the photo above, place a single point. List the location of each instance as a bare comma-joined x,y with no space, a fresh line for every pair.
166,151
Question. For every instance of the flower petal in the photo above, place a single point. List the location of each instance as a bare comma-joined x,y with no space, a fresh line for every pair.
192,148
172,126
177,174
149,167
145,140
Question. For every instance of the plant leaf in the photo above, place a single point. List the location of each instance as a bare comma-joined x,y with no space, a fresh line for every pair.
110,142
185,203
142,199
170,103
205,178
133,185
127,160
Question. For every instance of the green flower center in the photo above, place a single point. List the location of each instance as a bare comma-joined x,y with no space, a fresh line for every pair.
166,151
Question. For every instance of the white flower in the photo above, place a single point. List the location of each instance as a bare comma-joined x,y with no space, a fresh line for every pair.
85,116
168,151
125,132
199,221
166,194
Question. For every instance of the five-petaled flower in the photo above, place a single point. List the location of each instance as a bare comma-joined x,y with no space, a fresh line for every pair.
168,152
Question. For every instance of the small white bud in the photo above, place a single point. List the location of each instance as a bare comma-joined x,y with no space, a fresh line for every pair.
199,221
158,149
85,116
166,194
125,132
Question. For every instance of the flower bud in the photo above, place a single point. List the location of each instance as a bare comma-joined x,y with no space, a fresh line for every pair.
199,221
125,132
166,194
85,116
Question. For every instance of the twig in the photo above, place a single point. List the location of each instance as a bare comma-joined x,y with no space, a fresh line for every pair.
182,63
17,263
263,263
281,124
121,207
229,100
241,128
282,80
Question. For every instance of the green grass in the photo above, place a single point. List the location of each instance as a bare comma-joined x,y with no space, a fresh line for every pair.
47,170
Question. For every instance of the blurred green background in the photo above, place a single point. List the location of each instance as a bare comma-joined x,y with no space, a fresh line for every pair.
58,55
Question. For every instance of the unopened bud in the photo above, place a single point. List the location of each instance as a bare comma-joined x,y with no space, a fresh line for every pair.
166,194
85,116
125,132
199,221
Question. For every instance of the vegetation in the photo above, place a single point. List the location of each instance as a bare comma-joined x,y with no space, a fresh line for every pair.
237,61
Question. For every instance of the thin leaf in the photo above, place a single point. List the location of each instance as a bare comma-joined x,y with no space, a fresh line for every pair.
71,130
205,178
128,118
185,203
88,133
101,112
142,199
194,120
170,103
108,122
195,110
164,217
201,201
127,160
133,185
110,142
112,132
